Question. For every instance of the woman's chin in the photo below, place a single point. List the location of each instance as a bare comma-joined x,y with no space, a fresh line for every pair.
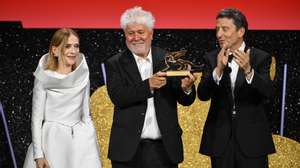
71,61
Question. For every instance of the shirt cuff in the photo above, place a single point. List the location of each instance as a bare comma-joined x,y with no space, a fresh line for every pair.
38,154
188,92
216,78
249,81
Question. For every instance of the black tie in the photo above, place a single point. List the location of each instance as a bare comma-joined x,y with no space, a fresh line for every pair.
227,68
230,57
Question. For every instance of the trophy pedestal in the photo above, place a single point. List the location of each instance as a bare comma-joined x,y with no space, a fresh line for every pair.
177,73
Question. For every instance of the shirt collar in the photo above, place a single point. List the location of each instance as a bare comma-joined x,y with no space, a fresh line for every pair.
242,47
138,59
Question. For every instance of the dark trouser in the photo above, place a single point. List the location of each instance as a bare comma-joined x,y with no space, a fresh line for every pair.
233,157
150,154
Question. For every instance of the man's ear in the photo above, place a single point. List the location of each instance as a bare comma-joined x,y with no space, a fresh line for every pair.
241,32
152,35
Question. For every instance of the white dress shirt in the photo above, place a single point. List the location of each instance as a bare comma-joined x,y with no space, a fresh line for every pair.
150,128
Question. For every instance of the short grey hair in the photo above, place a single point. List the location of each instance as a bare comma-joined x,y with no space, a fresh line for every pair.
137,15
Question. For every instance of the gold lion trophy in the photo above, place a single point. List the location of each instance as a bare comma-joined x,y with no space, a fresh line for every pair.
176,66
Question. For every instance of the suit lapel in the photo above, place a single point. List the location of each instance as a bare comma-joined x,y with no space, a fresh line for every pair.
240,79
227,85
130,66
158,62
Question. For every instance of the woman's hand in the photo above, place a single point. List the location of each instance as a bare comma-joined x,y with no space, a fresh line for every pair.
41,163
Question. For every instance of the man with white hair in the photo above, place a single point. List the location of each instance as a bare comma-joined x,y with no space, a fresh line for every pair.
145,131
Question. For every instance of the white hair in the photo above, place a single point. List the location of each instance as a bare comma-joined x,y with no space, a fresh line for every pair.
137,15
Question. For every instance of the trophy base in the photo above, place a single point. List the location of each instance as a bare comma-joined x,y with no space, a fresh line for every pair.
177,73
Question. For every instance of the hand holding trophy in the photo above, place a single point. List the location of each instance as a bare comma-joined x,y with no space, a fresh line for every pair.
175,66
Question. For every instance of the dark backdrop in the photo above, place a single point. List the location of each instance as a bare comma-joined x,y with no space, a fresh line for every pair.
20,50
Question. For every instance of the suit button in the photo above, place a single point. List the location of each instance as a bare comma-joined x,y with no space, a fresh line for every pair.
142,114
139,131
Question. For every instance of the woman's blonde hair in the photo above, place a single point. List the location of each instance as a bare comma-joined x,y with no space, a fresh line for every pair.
60,37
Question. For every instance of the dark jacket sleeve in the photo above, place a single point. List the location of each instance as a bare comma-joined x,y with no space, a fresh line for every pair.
207,85
261,79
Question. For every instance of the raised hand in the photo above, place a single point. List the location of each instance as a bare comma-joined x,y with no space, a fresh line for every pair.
243,59
222,60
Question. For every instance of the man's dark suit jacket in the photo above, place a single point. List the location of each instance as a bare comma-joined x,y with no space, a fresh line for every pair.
252,128
129,94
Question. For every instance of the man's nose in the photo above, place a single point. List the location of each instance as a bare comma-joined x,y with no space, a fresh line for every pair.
136,36
219,33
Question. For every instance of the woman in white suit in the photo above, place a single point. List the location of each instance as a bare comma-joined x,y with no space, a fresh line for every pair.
63,135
